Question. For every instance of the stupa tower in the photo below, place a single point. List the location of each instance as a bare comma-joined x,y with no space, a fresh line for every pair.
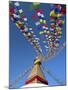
36,75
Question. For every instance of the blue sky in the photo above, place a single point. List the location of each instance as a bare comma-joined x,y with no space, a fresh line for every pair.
22,54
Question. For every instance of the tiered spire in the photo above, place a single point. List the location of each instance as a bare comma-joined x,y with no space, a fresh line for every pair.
36,75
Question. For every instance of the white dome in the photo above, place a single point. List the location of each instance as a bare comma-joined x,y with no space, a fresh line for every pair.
32,85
